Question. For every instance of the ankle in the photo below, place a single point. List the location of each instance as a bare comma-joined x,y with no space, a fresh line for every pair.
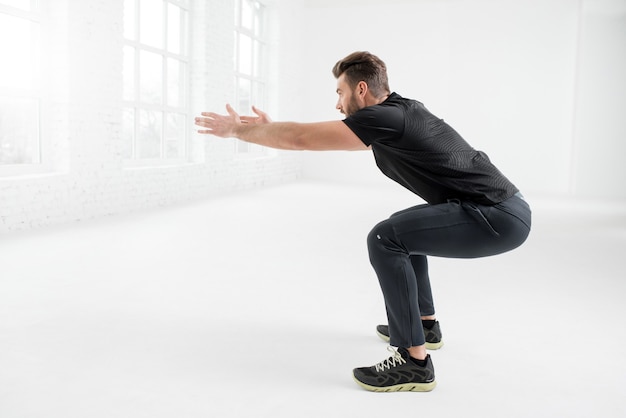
428,323
418,352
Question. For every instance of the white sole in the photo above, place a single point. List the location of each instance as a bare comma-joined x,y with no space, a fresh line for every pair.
404,387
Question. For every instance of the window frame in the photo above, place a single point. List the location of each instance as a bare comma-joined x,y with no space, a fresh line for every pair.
40,162
136,105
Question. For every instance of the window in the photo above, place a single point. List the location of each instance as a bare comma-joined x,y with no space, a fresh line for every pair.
20,91
250,60
156,80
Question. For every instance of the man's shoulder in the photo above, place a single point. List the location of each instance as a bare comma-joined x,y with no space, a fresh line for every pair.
404,103
397,98
391,111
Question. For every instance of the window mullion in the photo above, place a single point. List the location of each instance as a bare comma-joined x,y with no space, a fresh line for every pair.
248,74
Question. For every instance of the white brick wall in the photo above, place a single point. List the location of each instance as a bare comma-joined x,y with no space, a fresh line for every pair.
82,124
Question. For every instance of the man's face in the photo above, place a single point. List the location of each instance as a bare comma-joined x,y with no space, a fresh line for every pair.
348,100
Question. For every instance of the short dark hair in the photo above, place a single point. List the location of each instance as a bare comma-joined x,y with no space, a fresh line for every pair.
364,66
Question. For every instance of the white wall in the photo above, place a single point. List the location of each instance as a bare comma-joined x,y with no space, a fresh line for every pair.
600,114
87,177
537,84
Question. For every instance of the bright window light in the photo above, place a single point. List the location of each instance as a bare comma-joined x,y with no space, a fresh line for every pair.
155,76
20,96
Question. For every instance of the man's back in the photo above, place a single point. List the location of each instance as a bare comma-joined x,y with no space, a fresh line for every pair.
426,155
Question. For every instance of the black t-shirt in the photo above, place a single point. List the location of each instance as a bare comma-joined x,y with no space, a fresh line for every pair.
424,154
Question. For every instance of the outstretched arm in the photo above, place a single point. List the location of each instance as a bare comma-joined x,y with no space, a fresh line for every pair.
318,136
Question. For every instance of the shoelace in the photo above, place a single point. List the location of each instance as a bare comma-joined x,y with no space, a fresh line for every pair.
394,361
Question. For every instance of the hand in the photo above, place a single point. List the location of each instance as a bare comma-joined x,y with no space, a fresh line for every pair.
219,125
261,117
225,125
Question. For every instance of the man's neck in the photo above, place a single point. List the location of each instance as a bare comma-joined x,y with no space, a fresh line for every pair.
371,100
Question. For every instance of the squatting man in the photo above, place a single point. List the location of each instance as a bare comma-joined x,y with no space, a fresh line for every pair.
471,210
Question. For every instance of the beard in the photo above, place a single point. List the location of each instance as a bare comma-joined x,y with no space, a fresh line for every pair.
352,107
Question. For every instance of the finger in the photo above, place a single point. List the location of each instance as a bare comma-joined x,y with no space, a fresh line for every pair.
262,115
258,111
231,111
203,121
208,116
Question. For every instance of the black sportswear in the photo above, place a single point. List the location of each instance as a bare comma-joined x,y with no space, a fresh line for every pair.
424,154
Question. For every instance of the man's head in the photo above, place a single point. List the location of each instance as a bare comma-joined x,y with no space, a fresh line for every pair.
361,81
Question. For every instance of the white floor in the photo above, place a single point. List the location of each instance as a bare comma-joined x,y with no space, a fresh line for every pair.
260,304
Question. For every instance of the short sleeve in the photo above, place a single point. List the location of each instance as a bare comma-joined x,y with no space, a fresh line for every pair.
378,123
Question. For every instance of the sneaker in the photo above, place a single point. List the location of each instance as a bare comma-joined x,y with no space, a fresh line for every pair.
432,335
398,373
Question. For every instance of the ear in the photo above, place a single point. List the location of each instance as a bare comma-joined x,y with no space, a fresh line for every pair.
361,89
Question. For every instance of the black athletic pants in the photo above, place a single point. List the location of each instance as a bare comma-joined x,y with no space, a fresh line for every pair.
399,245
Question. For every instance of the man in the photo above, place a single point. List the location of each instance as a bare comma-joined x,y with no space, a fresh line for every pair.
472,209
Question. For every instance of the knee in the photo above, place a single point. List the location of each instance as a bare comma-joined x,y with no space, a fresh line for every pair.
381,236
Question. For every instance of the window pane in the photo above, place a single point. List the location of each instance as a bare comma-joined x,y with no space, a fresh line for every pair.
129,73
150,134
19,131
247,14
184,22
173,28
128,131
19,40
174,135
259,53
258,20
258,94
151,77
176,71
243,95
245,54
151,23
130,20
